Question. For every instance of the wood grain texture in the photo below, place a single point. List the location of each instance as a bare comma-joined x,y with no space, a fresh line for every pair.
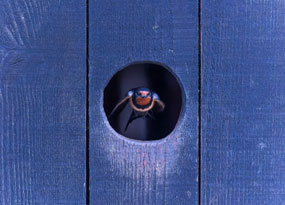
42,102
243,102
124,171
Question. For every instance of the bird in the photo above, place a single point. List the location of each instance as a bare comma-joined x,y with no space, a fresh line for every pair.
143,101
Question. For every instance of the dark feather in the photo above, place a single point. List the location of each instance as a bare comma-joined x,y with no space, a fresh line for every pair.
134,115
150,115
158,105
119,107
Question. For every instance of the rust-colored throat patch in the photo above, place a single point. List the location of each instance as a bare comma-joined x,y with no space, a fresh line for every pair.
143,101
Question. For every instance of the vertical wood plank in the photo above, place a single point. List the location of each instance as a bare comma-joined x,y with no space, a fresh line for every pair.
124,171
243,102
42,102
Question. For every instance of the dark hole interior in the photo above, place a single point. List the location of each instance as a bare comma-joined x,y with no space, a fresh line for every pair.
158,79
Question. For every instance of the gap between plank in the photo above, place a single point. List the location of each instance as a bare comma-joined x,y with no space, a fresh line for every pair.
200,104
87,108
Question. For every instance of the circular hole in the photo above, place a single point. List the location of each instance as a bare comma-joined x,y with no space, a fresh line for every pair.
158,79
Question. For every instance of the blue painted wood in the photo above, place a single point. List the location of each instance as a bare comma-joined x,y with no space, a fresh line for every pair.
243,102
42,102
125,171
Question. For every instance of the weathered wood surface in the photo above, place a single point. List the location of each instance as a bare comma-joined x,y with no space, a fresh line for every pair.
42,102
243,102
124,171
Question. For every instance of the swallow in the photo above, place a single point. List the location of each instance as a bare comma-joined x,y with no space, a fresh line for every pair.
143,101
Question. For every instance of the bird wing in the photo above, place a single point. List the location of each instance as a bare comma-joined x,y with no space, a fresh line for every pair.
119,107
158,104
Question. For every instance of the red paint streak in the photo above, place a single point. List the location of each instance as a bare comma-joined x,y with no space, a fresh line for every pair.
145,161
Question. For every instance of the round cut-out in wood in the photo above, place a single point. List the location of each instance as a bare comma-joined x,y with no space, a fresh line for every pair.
140,83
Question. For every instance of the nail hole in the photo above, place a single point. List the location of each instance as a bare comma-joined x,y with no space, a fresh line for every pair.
155,77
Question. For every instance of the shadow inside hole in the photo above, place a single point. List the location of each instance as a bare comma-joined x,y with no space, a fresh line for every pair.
158,79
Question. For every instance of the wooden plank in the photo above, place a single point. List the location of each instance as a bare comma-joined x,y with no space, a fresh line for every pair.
124,171
243,102
42,102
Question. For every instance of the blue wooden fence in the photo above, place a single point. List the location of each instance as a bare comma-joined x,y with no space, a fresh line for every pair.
56,144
